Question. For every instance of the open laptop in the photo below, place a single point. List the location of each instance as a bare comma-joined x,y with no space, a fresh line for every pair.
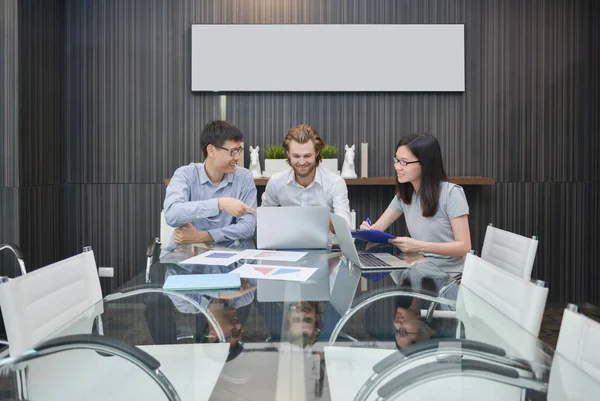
292,227
364,260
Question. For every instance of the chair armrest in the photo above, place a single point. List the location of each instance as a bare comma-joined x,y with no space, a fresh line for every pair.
91,339
100,344
18,254
209,316
435,370
14,248
378,296
452,351
432,345
152,247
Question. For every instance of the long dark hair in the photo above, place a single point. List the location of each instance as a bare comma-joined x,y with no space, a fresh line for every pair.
427,150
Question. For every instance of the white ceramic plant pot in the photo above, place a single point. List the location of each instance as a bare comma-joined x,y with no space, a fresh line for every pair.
330,164
273,166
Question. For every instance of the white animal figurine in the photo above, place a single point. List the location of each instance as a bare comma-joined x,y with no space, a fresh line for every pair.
254,162
348,167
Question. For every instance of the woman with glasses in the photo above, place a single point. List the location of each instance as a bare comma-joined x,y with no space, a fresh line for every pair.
435,210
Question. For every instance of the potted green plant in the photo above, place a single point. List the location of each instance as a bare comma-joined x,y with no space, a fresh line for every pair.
275,160
329,155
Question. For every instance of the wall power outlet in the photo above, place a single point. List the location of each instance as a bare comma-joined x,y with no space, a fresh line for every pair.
106,272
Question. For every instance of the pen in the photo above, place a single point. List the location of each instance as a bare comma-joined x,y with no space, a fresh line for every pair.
369,221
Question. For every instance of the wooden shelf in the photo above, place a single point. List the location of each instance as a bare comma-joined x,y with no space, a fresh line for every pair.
384,181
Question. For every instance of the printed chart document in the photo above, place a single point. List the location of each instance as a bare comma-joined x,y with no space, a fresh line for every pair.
270,272
279,256
215,258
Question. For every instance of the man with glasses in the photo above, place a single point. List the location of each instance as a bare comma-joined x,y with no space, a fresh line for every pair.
213,201
307,184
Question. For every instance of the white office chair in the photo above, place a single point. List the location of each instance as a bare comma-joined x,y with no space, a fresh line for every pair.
19,256
494,308
62,301
153,250
574,374
509,251
519,299
36,305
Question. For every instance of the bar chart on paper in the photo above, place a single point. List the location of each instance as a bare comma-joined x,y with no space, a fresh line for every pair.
269,272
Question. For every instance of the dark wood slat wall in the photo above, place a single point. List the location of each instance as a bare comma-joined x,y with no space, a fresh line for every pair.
41,127
9,117
41,132
9,228
9,127
528,118
32,178
124,211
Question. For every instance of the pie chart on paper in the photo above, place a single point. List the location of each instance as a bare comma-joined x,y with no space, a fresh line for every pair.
264,270
286,271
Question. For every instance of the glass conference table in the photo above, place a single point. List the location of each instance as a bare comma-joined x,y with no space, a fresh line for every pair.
342,334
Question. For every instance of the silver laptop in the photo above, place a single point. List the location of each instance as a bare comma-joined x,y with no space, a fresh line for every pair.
364,260
292,227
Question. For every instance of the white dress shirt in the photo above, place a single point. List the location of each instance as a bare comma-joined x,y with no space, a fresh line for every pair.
327,189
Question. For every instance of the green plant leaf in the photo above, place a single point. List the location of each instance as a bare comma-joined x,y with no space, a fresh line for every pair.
329,152
275,152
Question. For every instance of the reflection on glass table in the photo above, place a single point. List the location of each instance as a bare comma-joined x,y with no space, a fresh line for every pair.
319,339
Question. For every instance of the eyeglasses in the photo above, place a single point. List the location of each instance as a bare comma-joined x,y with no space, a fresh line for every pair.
234,333
232,152
403,333
404,162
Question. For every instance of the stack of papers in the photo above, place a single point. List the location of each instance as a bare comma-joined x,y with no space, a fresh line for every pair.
214,258
225,258
271,272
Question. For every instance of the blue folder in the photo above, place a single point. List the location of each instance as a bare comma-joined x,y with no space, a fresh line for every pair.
373,236
202,282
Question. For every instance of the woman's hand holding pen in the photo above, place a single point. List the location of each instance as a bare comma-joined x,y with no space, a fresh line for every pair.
366,225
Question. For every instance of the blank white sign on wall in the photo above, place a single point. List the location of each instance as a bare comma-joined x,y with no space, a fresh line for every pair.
330,58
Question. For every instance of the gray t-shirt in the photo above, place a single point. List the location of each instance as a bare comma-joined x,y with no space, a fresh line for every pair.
437,228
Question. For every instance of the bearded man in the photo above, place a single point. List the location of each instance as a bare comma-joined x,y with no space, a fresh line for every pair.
306,183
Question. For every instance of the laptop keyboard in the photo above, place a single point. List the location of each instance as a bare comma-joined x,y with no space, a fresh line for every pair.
369,260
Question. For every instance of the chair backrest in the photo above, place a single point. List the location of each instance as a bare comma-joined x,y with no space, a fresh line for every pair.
575,372
36,305
166,231
520,300
579,342
509,251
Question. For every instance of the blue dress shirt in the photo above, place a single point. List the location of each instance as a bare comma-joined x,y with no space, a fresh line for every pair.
192,198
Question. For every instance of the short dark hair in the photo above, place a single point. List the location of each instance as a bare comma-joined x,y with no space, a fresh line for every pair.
427,150
217,133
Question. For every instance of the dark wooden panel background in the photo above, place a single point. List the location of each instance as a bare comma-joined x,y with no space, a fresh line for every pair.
97,111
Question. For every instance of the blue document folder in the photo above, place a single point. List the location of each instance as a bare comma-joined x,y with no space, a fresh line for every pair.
202,282
373,236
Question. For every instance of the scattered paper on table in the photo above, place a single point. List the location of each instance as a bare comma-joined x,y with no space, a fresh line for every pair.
215,258
270,272
279,256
